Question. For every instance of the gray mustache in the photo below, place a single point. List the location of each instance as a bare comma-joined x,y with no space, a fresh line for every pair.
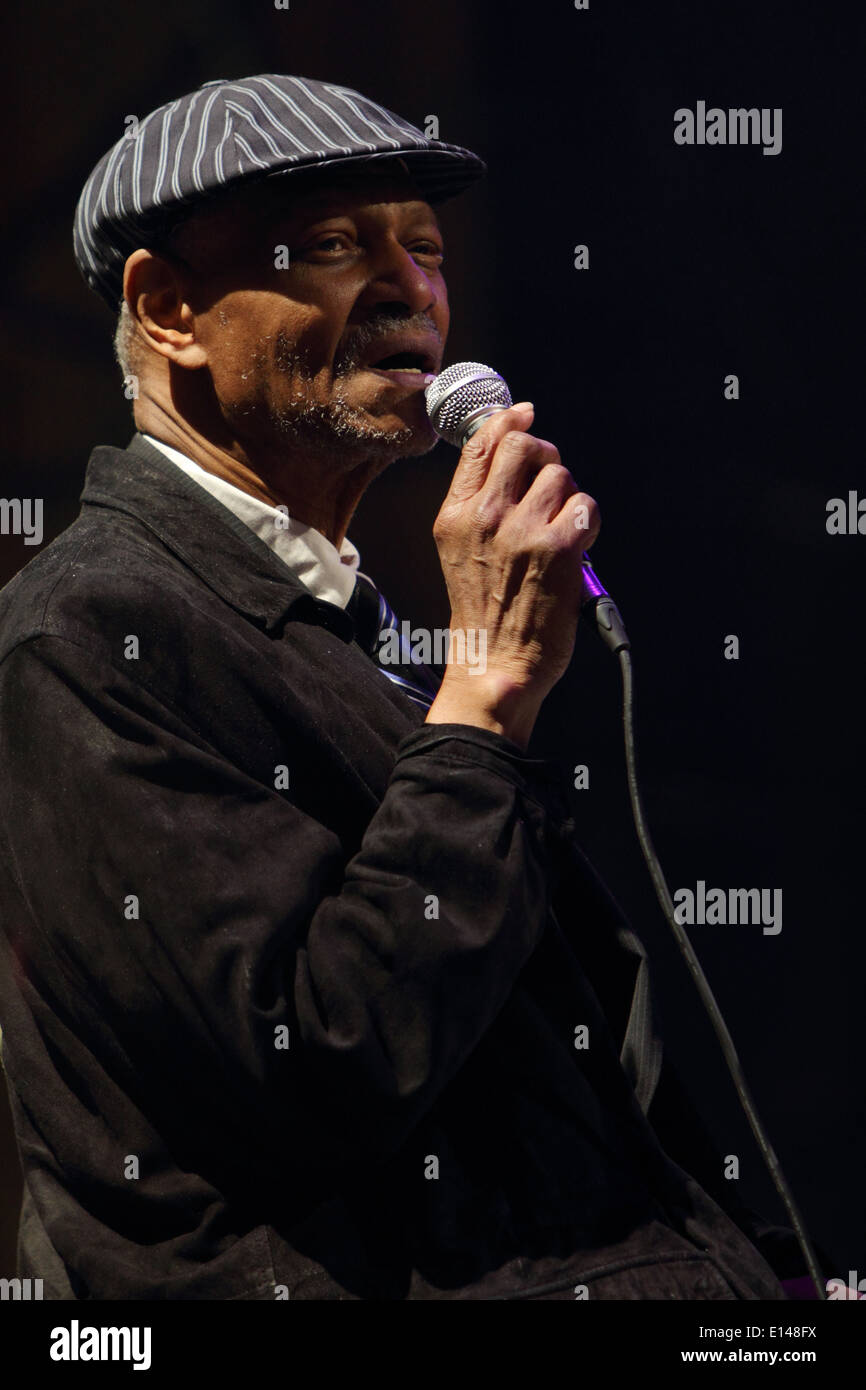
382,326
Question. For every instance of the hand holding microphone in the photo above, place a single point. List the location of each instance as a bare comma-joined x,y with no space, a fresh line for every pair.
511,554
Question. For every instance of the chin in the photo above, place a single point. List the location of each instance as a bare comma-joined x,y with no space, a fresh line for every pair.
416,439
412,424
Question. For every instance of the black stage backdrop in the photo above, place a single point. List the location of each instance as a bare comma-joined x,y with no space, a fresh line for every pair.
703,262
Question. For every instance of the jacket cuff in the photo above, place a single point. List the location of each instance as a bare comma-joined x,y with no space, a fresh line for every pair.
538,778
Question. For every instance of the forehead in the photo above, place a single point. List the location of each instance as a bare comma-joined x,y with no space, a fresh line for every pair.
349,188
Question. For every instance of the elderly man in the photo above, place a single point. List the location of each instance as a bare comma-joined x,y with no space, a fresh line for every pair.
307,990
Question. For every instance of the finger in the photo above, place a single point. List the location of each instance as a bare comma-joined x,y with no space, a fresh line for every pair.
579,520
517,460
551,485
477,454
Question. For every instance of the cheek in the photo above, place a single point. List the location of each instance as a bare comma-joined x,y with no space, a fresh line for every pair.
305,341
257,340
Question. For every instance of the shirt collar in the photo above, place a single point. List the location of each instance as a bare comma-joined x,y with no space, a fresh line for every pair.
327,572
210,539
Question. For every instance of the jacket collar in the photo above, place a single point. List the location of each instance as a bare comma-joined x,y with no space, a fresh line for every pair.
206,536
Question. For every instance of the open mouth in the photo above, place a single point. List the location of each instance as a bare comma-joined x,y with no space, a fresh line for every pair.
403,362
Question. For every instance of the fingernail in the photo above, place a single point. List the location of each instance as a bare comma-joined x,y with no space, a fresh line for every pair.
523,405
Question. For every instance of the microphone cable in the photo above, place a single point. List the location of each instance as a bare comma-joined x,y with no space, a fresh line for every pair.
726,1042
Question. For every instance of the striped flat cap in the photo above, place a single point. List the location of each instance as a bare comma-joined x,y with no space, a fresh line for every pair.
230,131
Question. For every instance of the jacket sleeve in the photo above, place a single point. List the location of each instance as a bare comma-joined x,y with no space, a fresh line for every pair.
199,930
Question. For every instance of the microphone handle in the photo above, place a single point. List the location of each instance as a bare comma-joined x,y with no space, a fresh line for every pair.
596,603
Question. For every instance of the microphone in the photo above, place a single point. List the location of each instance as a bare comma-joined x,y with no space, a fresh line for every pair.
459,400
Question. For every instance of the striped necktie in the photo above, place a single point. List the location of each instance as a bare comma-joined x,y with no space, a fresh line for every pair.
373,616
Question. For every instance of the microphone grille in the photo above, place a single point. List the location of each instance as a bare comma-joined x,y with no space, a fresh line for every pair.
458,393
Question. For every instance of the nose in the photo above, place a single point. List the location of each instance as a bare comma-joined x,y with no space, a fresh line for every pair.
396,278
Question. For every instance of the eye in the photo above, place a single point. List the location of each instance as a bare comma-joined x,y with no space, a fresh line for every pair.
325,245
428,251
335,241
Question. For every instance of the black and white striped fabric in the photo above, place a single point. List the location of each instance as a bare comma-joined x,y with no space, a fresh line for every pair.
228,131
373,616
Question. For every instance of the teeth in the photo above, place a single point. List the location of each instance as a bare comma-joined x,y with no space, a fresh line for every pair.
399,369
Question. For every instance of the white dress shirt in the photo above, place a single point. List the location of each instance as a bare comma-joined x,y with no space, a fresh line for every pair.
327,572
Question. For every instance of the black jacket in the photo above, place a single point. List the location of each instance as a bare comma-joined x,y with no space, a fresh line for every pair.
313,1040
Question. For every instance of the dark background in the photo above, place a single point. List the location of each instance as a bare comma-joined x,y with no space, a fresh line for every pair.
703,262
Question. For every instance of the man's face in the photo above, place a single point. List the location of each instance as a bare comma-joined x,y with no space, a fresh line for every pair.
332,349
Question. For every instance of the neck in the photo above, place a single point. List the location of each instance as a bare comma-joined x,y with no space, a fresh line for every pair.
319,496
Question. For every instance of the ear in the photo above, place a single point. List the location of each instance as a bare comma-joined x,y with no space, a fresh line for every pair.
154,290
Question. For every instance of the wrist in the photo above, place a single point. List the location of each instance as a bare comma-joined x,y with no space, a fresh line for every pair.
493,701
